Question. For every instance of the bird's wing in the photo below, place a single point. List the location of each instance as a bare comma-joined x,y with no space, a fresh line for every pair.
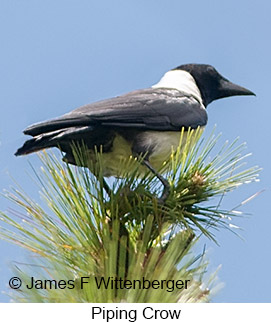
148,109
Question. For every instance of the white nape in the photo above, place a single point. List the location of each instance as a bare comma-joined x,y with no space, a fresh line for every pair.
180,80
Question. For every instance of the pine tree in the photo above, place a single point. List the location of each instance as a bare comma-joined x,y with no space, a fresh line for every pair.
81,231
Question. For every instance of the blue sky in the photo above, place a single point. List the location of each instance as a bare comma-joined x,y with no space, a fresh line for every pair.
58,55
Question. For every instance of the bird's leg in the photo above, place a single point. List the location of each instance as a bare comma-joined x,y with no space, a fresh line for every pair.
166,189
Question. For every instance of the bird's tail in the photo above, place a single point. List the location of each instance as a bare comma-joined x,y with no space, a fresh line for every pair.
28,147
52,139
37,143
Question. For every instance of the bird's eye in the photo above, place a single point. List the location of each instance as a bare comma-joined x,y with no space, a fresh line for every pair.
210,69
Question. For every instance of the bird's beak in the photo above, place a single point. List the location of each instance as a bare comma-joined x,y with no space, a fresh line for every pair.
228,88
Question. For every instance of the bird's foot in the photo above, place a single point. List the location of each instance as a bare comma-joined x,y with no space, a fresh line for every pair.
166,190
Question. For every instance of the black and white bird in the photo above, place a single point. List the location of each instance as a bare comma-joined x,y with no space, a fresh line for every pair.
144,122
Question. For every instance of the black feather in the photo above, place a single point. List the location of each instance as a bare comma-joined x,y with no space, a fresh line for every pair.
149,109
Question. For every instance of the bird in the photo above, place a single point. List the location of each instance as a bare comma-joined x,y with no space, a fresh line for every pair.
144,123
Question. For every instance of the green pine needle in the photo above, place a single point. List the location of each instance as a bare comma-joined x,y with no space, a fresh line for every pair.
83,232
